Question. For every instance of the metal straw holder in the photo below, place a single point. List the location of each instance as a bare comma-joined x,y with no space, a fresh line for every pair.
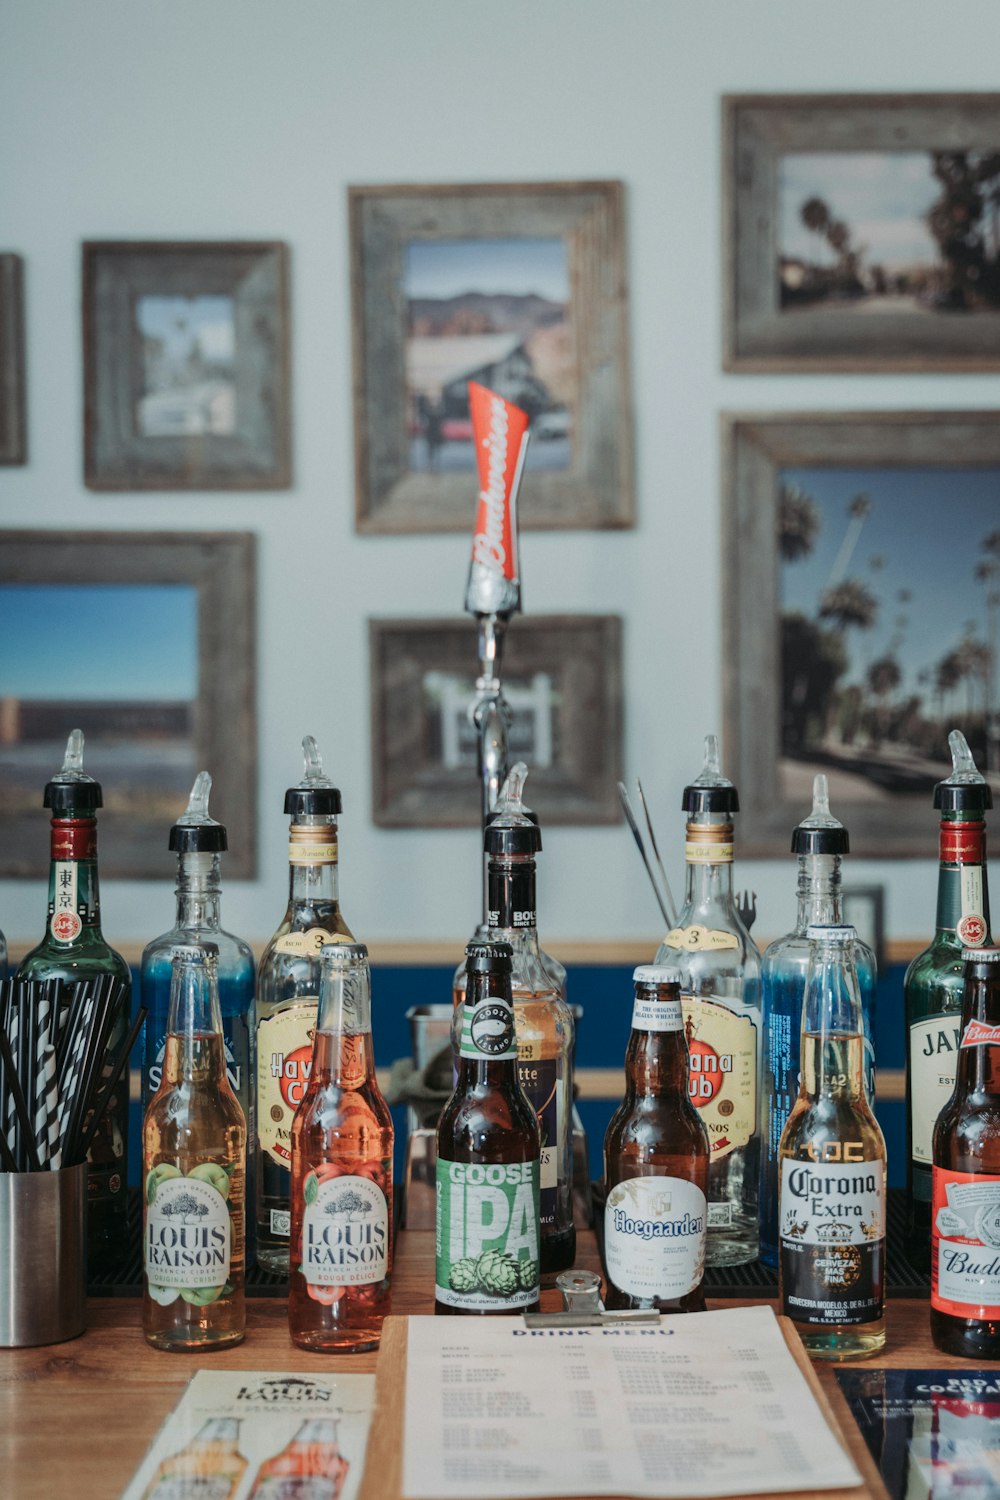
43,1256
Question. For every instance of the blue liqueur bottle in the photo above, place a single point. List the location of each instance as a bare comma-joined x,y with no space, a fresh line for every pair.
199,841
820,841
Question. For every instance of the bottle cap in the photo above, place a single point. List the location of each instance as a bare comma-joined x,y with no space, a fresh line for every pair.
510,830
831,932
712,792
194,953
72,793
195,832
657,974
350,951
965,790
981,955
315,796
821,832
481,957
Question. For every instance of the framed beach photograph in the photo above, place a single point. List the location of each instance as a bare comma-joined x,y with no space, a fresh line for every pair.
13,425
519,287
862,232
186,366
861,617
562,677
145,641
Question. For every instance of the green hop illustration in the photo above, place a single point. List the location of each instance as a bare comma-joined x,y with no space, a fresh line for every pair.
311,1190
497,1273
527,1274
464,1277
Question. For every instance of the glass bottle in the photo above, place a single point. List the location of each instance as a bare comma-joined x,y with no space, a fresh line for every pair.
210,1466
74,948
288,996
832,1169
720,997
3,956
965,1265
934,981
656,1162
312,1465
194,1143
199,842
487,1232
543,1019
341,1240
820,841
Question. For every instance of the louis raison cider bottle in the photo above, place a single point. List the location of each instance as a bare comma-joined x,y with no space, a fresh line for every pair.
74,948
720,997
656,1162
310,1467
832,1169
210,1467
194,1169
965,1233
487,1232
934,981
341,1244
288,996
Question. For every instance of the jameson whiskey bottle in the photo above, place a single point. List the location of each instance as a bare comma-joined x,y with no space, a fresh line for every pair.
720,995
934,981
73,949
832,1165
820,842
211,1466
312,1466
288,995
341,1242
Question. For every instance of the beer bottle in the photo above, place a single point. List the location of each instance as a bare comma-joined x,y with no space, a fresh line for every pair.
832,1165
341,1244
656,1162
965,1227
487,1239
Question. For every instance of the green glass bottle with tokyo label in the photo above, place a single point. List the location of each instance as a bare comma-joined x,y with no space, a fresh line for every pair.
288,979
487,1223
832,1213
720,996
194,1147
934,982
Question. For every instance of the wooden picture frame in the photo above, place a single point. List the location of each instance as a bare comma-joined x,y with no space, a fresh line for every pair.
929,480
13,422
186,365
145,750
840,247
563,678
409,384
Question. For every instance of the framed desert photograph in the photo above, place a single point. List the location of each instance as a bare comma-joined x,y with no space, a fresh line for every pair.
861,588
562,677
862,232
146,643
13,426
186,366
521,288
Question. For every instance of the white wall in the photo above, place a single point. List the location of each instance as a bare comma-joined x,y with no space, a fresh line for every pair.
248,118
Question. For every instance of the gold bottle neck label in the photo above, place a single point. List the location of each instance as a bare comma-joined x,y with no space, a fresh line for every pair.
708,844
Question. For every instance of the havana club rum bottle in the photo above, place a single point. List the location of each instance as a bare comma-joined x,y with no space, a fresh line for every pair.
934,981
73,949
288,996
720,996
211,1466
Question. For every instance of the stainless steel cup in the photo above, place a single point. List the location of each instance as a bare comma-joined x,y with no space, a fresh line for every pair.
43,1256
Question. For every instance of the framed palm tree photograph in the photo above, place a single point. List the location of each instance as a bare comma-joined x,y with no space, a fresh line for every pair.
861,616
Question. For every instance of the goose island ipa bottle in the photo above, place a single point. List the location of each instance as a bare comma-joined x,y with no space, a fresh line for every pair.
341,1243
656,1162
288,996
194,1143
74,948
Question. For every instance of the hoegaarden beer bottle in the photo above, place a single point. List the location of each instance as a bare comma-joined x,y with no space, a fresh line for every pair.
487,1236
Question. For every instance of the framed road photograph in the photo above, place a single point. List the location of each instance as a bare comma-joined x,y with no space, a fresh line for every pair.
145,641
13,426
562,677
520,287
862,232
186,366
861,589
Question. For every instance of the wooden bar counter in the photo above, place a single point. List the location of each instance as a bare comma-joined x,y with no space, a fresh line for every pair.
76,1418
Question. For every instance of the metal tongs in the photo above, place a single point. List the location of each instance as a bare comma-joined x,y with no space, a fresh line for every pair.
664,899
583,1308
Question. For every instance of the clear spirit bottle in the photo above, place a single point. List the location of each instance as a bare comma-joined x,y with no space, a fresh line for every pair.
720,994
